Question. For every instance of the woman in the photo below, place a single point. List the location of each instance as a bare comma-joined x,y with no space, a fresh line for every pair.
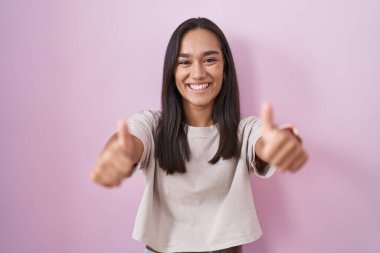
198,152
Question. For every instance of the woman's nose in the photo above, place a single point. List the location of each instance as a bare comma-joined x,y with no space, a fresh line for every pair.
198,71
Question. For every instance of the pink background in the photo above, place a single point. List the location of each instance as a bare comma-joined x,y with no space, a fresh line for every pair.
70,69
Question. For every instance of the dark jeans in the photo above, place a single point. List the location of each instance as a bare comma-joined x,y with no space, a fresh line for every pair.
237,249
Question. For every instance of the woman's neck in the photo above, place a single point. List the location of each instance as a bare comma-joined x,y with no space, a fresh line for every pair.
198,117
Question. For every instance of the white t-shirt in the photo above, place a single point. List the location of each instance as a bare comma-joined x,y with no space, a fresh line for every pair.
208,208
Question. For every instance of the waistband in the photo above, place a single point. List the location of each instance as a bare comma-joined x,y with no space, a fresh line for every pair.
236,249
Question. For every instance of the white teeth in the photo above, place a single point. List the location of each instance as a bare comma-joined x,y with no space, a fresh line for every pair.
199,86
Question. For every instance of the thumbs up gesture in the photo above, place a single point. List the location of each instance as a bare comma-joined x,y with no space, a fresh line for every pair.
118,157
277,146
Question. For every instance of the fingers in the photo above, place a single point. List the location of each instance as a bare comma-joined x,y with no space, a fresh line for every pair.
267,117
110,171
115,162
292,160
280,148
106,176
275,141
284,151
115,158
299,162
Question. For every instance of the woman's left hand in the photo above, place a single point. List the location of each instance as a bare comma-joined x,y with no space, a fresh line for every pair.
279,147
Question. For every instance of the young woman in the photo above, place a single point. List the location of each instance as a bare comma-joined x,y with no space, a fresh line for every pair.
197,154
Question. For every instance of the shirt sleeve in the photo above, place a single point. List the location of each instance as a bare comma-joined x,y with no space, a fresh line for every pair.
250,128
143,125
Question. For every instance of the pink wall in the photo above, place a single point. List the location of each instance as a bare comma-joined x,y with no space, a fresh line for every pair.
70,69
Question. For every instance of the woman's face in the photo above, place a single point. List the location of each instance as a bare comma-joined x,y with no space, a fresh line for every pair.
199,70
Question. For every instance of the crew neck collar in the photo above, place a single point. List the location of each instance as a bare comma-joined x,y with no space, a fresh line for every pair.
201,131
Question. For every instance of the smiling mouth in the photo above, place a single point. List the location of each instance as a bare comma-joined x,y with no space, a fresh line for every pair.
198,86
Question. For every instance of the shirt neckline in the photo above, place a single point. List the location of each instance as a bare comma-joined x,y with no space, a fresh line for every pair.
193,131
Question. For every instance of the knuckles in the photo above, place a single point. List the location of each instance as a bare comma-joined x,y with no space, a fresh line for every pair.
284,142
106,176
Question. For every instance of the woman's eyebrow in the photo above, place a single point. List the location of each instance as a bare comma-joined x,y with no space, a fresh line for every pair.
210,52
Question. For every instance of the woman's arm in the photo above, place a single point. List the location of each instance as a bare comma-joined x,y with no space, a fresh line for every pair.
118,158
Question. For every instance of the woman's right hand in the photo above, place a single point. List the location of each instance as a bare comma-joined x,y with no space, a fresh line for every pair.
118,157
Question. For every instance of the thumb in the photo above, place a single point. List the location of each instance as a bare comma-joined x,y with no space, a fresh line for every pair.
122,134
267,117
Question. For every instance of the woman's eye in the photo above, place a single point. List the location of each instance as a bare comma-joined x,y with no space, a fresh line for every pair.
210,60
183,62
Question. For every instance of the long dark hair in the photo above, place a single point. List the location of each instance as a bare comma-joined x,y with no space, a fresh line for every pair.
172,149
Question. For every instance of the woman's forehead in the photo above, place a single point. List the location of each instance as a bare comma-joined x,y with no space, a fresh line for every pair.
198,41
